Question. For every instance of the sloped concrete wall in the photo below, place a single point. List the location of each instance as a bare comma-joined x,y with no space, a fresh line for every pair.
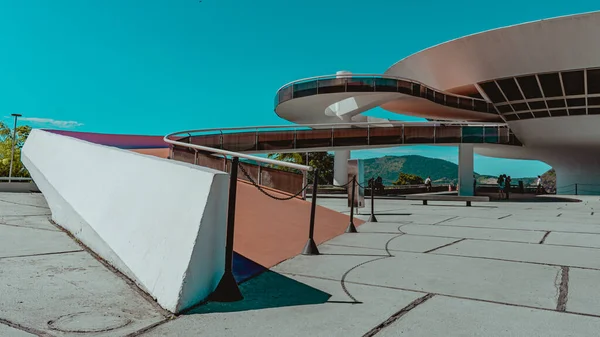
160,222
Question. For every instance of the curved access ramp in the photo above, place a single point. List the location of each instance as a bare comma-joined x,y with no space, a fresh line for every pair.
342,98
341,136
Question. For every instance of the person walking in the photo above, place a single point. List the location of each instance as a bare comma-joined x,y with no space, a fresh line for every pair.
507,182
538,184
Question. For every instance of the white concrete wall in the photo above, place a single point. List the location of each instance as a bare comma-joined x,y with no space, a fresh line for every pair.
465,170
160,222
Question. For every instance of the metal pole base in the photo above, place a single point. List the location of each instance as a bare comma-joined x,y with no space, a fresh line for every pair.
310,248
372,218
227,290
351,228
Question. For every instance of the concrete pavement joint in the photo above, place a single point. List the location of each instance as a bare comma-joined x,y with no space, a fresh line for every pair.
559,214
397,315
20,204
451,218
17,326
28,227
443,246
544,238
149,327
446,295
504,217
563,290
343,280
42,254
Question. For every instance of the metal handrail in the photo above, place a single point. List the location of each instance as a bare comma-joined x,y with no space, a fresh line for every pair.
237,154
334,125
351,75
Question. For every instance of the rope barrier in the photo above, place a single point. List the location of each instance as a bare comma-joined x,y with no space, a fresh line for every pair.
266,193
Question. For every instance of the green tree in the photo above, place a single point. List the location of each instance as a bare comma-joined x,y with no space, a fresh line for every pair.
408,179
321,160
5,149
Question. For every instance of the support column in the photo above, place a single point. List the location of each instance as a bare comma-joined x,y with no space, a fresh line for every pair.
340,167
465,170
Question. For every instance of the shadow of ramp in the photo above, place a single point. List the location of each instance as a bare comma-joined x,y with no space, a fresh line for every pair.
267,290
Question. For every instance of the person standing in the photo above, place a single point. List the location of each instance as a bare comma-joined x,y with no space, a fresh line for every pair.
507,186
428,184
500,182
538,189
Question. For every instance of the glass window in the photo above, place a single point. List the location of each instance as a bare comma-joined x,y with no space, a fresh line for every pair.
358,84
385,85
551,85
573,82
558,113
465,103
520,106
510,89
593,101
405,87
430,94
416,89
305,89
285,94
452,101
481,106
537,105
332,85
541,114
593,81
439,97
576,102
504,108
529,86
492,91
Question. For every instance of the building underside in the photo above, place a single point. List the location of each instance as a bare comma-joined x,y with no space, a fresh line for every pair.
541,79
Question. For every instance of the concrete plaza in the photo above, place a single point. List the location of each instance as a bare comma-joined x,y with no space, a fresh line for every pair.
527,268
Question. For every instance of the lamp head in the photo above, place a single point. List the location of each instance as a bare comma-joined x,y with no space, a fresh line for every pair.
16,115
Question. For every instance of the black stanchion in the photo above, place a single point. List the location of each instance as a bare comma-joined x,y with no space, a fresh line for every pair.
372,218
311,247
351,228
227,290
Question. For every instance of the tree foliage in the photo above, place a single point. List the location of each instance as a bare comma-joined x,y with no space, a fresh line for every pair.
408,179
6,139
321,160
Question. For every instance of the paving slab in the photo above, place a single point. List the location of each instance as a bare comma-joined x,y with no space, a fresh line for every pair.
473,233
8,331
71,292
406,242
515,223
574,239
19,204
522,252
443,316
506,282
22,241
335,317
33,221
583,295
327,266
380,227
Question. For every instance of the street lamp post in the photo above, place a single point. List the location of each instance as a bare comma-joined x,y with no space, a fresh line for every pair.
12,150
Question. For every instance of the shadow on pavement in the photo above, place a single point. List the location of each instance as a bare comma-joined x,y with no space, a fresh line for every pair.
267,290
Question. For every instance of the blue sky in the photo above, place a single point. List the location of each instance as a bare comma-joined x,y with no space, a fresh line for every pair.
157,66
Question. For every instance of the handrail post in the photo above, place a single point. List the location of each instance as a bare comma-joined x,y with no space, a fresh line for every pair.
304,183
372,218
351,228
227,290
311,247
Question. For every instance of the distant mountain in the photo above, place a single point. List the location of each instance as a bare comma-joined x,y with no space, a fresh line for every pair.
440,171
